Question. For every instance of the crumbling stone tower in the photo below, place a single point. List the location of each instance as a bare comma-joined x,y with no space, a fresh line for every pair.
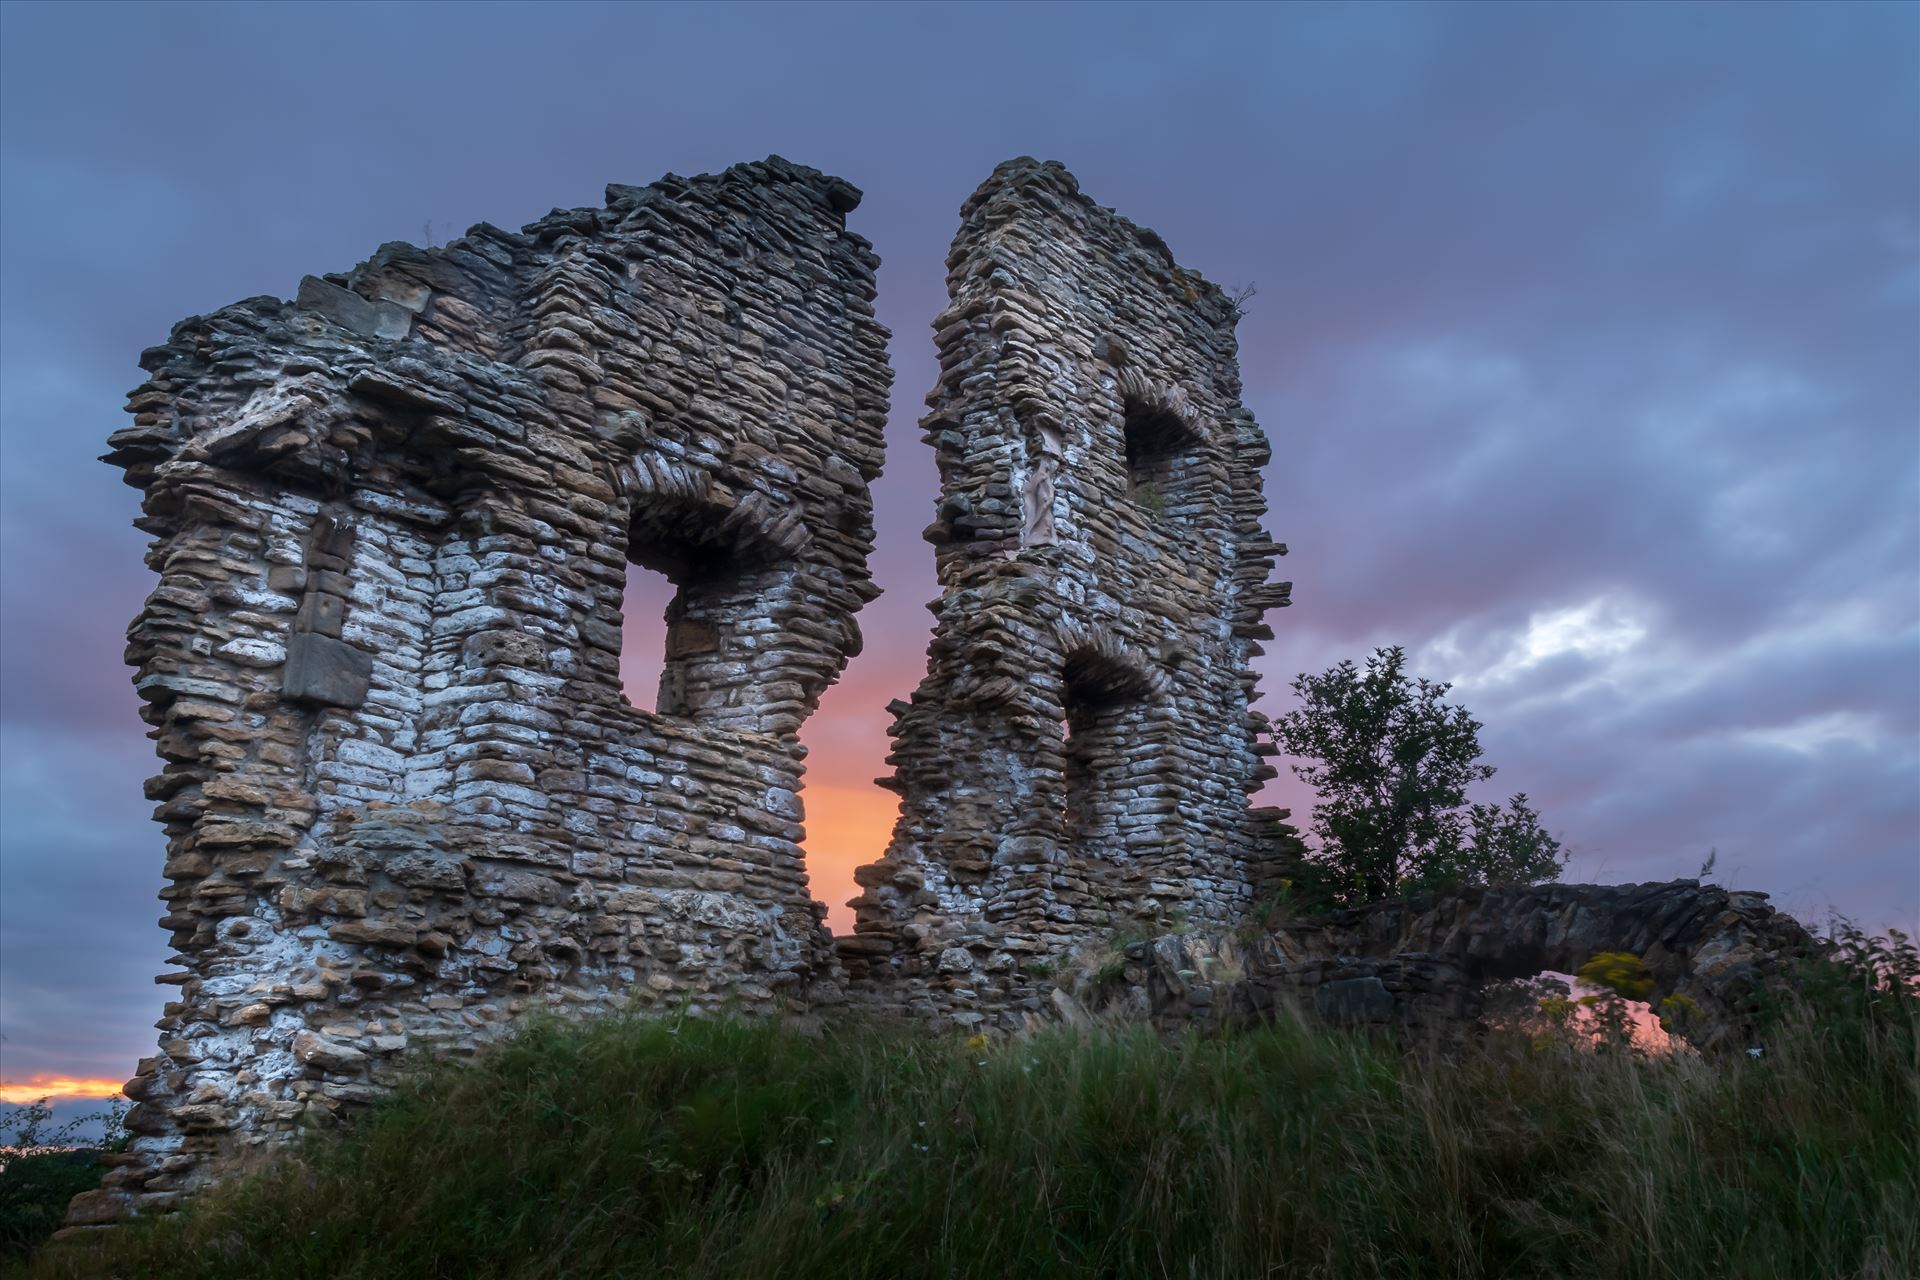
404,796
1079,755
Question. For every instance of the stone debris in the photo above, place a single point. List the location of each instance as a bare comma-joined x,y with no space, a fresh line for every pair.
1078,758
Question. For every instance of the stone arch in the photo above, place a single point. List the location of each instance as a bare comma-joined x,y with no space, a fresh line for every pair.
1094,656
1150,395
1422,963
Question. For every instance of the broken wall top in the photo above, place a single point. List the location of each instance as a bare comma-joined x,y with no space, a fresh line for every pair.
520,361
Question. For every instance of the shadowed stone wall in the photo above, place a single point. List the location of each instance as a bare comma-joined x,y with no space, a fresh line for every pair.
405,799
1418,968
1080,752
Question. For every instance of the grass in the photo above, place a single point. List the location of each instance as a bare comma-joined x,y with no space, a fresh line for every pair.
634,1147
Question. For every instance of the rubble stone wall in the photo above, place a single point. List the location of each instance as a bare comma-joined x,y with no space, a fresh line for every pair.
405,799
1419,968
1080,752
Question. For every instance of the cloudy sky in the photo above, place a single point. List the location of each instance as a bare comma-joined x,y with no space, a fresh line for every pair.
1587,339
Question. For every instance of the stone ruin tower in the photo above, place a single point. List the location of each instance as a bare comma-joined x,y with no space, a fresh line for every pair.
404,796
406,800
1079,756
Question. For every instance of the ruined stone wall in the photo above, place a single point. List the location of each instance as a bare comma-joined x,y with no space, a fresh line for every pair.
1079,755
1419,968
406,801
1422,965
404,797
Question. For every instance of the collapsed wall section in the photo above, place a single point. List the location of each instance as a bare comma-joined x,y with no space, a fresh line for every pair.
1421,968
405,799
1079,755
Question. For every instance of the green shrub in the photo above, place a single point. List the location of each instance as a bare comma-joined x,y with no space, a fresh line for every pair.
34,1191
42,1167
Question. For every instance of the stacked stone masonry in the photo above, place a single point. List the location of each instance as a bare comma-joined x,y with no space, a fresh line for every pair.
1079,755
1420,969
406,801
404,795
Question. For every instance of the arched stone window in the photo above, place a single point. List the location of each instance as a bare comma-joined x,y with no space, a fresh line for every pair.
719,664
1104,699
1162,455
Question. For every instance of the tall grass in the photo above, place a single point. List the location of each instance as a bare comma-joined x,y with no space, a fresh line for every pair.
635,1147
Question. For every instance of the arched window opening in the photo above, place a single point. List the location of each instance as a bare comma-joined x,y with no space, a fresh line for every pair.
714,590
1103,704
1162,458
1091,758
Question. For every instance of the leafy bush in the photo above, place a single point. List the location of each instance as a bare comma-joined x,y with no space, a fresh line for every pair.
1391,760
41,1168
1860,994
34,1191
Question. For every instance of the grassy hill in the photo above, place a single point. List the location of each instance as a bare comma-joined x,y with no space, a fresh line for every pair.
630,1147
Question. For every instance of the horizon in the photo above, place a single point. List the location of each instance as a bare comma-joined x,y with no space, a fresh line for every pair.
1586,340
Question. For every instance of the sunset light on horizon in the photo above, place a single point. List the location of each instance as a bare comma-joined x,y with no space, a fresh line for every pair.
36,1087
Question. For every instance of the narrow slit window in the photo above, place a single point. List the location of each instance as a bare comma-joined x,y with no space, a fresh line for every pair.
643,639
1091,750
1102,702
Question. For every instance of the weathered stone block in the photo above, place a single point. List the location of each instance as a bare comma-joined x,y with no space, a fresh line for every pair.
1354,1000
332,900
96,1208
351,311
374,932
321,614
321,669
287,577
327,1055
685,639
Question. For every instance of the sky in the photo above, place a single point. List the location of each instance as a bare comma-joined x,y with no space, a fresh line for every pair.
1588,339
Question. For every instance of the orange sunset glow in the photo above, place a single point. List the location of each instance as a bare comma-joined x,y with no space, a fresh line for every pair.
846,827
36,1087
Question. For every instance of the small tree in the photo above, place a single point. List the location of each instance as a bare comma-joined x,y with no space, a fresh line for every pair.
1391,761
1501,846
